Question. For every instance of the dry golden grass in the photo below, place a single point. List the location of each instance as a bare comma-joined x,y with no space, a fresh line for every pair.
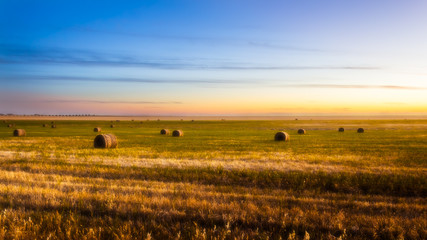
223,180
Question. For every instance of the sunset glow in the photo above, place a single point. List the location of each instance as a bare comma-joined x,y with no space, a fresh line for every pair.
213,57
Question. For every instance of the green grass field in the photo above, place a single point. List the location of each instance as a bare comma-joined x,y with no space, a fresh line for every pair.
221,180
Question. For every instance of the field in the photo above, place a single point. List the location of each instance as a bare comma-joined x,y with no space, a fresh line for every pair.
221,180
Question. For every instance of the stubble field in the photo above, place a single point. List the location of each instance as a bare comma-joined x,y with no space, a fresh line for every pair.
221,180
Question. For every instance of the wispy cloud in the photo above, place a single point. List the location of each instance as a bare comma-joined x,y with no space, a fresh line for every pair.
199,39
211,83
107,102
283,47
27,78
21,55
353,86
148,35
18,97
300,68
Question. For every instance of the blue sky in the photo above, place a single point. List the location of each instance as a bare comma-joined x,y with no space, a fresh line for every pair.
213,57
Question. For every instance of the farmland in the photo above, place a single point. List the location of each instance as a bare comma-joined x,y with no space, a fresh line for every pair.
221,180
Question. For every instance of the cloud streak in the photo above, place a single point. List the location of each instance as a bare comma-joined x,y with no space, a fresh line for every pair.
391,87
207,82
108,102
17,97
22,55
128,80
283,47
198,39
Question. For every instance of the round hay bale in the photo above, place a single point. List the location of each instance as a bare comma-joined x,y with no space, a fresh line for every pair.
10,125
97,129
340,129
178,133
105,141
52,122
45,125
164,131
19,133
301,131
281,136
112,126
360,130
53,126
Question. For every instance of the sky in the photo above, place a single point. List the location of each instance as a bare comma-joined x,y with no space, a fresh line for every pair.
178,58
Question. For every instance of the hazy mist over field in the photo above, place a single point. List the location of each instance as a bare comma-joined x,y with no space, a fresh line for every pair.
213,57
